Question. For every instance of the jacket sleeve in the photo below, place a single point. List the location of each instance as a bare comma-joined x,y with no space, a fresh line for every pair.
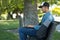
47,21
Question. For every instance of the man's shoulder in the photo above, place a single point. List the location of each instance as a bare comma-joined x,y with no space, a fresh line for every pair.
51,17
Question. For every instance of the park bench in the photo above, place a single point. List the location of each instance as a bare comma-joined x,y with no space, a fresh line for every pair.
45,34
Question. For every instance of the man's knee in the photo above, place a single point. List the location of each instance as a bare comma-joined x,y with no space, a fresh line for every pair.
20,29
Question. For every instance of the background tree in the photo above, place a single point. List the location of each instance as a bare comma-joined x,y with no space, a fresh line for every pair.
30,12
10,5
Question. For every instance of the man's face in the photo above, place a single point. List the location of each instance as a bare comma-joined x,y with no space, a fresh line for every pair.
44,9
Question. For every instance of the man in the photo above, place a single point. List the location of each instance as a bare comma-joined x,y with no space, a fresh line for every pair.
32,29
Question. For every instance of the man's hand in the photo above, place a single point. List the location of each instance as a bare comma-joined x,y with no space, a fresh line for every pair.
30,26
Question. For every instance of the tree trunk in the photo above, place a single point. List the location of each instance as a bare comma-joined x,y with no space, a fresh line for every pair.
30,12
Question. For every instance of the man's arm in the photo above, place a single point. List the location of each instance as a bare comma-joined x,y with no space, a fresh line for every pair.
47,21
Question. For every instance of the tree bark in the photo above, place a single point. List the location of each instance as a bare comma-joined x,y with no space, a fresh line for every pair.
30,12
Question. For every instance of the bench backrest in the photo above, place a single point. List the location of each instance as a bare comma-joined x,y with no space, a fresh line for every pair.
45,33
50,31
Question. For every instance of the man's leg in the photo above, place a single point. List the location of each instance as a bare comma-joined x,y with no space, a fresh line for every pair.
23,32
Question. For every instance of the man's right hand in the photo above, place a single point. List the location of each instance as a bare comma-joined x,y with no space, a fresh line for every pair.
30,26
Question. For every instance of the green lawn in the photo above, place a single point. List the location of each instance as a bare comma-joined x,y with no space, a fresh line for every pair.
12,25
56,36
8,24
7,36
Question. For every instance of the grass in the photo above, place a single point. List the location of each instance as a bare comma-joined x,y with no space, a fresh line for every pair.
56,36
7,36
9,24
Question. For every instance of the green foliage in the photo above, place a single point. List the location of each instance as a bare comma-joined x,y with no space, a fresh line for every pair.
56,11
50,1
10,5
40,14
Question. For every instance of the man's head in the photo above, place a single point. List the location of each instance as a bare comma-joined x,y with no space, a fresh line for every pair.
44,6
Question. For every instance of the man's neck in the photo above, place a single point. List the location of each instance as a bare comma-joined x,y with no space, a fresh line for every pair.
47,11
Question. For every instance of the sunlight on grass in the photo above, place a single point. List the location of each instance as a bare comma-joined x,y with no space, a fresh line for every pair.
9,24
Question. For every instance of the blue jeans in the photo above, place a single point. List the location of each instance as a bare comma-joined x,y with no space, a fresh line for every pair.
24,31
